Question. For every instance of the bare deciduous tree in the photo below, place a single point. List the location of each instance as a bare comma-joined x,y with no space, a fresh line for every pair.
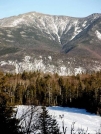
29,120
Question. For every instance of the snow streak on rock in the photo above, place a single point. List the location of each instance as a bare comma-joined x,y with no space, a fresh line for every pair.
98,34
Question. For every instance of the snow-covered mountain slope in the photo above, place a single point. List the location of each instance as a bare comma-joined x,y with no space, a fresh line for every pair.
50,65
53,27
73,43
83,121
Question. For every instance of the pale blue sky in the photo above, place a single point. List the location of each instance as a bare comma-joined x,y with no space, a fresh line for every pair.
75,8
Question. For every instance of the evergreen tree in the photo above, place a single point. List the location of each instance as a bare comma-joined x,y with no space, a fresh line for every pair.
8,124
48,125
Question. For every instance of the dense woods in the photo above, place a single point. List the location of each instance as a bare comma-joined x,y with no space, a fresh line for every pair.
37,88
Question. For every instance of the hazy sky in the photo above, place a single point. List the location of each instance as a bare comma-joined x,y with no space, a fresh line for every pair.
75,8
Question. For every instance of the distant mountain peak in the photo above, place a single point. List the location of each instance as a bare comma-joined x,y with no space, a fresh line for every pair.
71,41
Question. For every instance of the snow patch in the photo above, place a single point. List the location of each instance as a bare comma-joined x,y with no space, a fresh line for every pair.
40,56
50,58
79,70
98,34
62,70
77,29
9,35
22,32
18,21
9,40
2,63
84,24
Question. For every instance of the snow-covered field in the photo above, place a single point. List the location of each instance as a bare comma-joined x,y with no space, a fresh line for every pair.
81,119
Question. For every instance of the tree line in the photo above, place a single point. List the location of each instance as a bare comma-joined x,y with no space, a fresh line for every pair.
37,88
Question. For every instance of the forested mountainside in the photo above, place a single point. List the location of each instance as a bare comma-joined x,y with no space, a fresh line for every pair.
81,91
60,44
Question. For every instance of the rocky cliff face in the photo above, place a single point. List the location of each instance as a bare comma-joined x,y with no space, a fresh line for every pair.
60,44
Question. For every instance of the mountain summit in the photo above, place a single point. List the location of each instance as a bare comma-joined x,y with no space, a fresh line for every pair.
60,44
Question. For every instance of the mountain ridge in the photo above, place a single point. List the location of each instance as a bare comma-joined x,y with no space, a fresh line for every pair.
69,37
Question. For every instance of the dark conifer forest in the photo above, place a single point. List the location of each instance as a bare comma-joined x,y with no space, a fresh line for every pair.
37,88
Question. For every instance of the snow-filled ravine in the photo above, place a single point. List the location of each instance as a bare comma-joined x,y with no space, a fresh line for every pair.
81,119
